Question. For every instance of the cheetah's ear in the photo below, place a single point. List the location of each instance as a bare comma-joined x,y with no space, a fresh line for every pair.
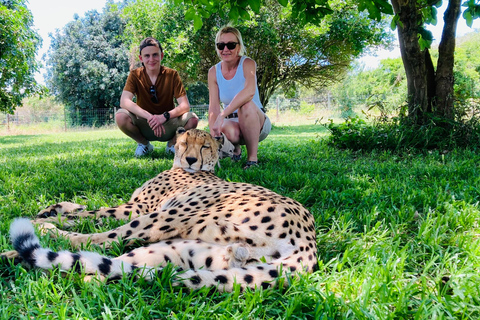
181,130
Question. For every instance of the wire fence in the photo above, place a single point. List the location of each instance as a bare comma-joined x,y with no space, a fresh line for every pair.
72,119
64,119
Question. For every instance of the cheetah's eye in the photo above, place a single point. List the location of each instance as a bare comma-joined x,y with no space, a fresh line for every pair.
206,146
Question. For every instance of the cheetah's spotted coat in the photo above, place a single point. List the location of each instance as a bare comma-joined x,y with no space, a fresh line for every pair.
218,232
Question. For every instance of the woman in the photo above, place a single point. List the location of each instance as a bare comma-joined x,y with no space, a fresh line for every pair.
233,82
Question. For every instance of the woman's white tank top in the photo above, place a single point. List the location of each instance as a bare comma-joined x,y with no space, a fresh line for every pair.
228,89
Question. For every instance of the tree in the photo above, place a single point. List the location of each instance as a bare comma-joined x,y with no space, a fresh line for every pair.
381,89
467,73
18,45
429,90
287,53
385,87
88,62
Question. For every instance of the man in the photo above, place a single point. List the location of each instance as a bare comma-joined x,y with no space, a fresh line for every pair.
153,117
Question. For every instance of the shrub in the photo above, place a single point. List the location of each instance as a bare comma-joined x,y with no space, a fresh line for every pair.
399,134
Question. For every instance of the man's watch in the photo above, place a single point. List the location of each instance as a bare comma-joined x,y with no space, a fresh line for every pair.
166,115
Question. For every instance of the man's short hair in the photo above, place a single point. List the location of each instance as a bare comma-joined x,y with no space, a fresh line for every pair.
150,42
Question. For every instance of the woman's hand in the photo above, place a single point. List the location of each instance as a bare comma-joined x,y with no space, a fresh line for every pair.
217,126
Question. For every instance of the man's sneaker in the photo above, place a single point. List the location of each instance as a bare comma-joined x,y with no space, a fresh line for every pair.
170,149
143,149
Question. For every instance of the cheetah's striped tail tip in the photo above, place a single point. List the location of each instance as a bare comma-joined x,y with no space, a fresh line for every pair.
22,234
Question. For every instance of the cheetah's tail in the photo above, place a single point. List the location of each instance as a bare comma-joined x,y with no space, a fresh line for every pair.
22,235
28,246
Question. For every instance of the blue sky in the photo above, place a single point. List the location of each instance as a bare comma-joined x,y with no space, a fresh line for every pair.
50,15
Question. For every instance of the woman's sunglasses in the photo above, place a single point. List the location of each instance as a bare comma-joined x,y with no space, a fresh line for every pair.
230,45
154,94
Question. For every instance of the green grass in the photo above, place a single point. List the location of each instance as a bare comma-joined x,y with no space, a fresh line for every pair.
398,234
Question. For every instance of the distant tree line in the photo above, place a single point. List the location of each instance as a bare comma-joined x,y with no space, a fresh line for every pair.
90,57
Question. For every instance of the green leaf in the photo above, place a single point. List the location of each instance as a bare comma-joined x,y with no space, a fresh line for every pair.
283,2
423,42
254,5
383,6
197,23
433,18
233,14
467,15
393,24
244,14
190,14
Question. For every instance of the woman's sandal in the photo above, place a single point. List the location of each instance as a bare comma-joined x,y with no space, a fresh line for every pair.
237,157
250,164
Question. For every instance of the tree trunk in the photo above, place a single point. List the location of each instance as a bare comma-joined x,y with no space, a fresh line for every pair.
413,58
428,91
446,51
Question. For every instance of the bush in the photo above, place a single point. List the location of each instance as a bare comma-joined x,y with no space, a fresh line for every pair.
399,134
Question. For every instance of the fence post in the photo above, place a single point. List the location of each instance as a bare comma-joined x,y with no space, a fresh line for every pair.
278,107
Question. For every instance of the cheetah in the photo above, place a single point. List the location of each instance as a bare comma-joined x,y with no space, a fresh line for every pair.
218,233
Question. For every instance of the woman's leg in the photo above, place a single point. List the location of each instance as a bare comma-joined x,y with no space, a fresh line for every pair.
250,120
231,129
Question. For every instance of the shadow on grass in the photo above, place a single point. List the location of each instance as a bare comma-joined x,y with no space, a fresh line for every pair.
310,130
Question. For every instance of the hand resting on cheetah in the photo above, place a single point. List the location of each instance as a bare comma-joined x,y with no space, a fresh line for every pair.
218,232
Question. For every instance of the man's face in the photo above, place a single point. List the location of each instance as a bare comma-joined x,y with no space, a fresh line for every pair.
151,57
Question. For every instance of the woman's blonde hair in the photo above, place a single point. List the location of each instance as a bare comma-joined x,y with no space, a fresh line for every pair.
234,31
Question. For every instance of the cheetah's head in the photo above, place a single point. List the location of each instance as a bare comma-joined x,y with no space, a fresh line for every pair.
195,150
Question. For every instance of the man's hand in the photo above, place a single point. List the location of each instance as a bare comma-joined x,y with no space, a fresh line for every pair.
156,122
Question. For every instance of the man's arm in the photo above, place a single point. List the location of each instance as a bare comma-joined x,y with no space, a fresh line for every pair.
126,102
182,107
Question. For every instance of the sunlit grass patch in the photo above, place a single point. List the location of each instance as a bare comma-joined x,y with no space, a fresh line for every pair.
398,233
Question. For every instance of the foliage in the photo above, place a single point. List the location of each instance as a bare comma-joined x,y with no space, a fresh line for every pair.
467,75
18,44
197,93
303,11
88,62
428,90
472,12
287,53
397,233
383,89
398,134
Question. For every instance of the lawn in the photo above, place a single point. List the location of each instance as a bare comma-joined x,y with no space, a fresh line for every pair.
398,234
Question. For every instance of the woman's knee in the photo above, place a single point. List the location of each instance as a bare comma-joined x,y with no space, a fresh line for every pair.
232,132
248,108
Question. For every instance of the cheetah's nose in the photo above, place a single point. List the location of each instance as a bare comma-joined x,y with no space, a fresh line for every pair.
191,160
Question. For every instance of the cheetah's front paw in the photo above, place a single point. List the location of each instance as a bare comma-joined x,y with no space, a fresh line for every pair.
239,255
60,208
